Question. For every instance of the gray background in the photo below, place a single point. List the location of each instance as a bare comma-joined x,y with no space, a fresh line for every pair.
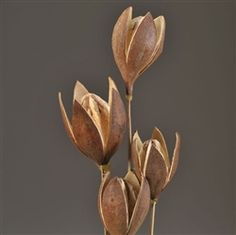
47,186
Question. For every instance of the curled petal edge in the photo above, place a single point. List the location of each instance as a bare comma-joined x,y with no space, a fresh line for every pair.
157,135
141,207
65,119
175,159
104,182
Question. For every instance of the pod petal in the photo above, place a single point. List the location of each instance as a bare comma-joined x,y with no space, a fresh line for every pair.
115,207
104,183
98,110
119,40
66,121
141,208
160,28
157,135
132,179
87,135
175,158
117,120
156,171
142,46
136,148
79,92
131,196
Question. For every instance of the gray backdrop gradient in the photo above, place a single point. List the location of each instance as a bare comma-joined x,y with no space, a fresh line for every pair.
47,186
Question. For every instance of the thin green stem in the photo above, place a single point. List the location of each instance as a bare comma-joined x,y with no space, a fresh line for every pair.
129,101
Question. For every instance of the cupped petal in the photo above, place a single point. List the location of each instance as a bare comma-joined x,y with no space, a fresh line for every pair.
157,135
159,147
160,29
117,120
98,110
119,40
142,45
115,207
79,92
141,207
156,171
66,121
133,187
86,134
131,197
103,184
175,158
132,179
160,24
132,27
144,154
139,141
136,148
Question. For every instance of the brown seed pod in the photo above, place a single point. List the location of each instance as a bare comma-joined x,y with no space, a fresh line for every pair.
96,127
151,159
123,203
136,44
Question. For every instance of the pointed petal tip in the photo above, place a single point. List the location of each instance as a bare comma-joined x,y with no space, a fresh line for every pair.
156,133
177,135
136,134
160,18
60,100
79,91
163,18
178,141
178,138
148,14
110,80
160,22
129,9
136,137
59,95
127,13
78,84
112,84
156,129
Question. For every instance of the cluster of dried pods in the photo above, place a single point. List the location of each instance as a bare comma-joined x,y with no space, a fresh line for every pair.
97,128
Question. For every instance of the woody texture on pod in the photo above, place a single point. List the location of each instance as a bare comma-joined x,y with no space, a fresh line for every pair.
97,127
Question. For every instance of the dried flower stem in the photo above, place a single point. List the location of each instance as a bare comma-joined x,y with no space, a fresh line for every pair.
129,101
153,214
104,169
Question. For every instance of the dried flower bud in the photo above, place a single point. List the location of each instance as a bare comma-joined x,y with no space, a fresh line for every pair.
96,127
123,203
136,44
151,159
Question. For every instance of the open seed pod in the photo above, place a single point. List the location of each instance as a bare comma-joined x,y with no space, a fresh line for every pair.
123,203
151,159
96,127
136,43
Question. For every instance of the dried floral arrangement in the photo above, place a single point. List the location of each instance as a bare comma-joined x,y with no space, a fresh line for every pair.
97,127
